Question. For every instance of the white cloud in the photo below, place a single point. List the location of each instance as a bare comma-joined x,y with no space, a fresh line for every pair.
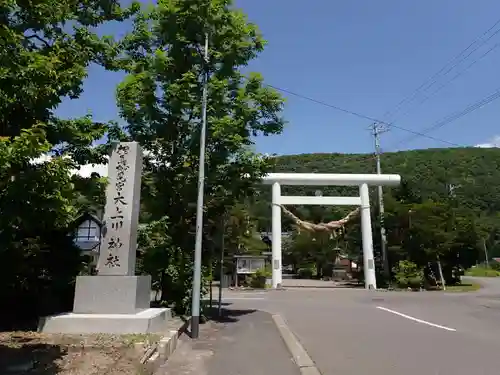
87,170
84,170
493,142
41,159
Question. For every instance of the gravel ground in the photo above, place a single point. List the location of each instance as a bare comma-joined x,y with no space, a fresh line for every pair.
52,354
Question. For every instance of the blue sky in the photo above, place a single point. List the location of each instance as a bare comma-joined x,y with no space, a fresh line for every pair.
365,56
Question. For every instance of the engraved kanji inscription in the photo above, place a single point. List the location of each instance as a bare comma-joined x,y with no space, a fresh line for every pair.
122,211
120,199
112,261
114,243
116,221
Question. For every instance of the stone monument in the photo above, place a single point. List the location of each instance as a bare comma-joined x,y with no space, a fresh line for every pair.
116,300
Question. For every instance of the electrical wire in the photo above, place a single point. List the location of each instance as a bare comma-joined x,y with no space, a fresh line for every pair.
360,115
416,134
457,115
445,121
460,73
434,78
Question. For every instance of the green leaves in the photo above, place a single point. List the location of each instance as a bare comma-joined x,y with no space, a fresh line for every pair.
45,50
161,97
161,101
43,60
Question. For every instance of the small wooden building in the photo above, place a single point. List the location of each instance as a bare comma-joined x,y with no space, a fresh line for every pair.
246,265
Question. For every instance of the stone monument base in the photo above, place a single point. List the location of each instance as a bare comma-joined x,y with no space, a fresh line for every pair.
146,321
112,294
109,304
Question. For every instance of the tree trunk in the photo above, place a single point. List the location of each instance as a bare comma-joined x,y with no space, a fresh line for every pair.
163,287
319,270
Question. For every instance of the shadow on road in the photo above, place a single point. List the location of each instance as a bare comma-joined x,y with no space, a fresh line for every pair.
227,315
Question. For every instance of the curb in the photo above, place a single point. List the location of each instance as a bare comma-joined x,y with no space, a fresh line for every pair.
300,356
158,355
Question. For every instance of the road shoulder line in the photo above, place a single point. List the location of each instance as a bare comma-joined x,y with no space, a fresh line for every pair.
299,354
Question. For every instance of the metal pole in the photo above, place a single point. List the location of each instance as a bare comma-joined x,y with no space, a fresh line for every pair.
210,285
367,239
221,263
383,236
195,299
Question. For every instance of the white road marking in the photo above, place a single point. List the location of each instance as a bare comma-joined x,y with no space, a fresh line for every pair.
241,298
416,319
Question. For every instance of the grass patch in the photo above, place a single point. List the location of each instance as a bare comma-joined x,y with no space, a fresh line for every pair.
458,288
464,287
482,272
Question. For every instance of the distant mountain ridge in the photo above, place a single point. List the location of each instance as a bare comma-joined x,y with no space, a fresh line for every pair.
474,172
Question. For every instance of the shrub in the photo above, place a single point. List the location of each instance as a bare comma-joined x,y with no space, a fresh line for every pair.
170,267
408,275
305,273
495,266
37,277
258,279
482,272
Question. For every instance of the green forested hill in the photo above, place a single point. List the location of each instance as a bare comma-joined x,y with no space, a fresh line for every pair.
475,172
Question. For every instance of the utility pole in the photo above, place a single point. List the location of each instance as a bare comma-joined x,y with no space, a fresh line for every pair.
378,128
486,257
195,299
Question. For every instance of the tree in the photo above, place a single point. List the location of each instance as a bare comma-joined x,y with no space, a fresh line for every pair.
433,234
90,193
43,61
241,236
160,99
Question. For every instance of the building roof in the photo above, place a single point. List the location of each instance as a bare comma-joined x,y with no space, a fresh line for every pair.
85,216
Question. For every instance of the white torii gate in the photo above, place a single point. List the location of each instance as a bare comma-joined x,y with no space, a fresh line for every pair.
327,179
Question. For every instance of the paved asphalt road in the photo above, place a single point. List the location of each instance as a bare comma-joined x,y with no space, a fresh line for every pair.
251,346
353,332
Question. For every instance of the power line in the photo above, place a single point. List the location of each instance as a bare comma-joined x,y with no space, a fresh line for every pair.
460,73
448,119
457,115
433,79
417,134
445,121
360,115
